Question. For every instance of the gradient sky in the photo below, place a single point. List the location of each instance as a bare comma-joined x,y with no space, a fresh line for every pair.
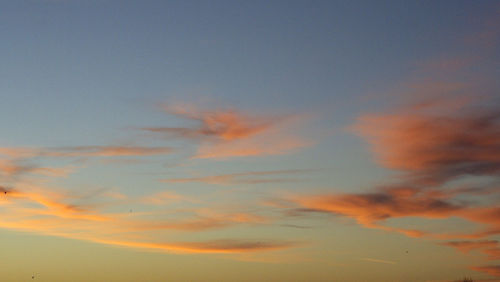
249,140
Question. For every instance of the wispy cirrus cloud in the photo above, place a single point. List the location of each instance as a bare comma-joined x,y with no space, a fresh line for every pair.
238,245
220,124
13,168
163,197
84,151
489,269
45,211
226,133
105,151
468,246
378,260
490,248
493,253
251,177
224,246
20,161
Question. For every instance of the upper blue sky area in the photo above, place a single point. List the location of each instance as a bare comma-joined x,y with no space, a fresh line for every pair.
105,62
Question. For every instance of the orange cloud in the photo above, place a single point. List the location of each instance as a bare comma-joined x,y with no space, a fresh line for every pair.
232,216
237,245
14,152
226,133
489,269
222,124
201,220
378,260
16,161
13,168
272,144
370,209
84,151
252,177
493,253
227,246
52,203
467,246
44,211
163,198
105,151
105,233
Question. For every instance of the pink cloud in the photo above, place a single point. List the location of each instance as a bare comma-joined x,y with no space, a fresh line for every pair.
226,133
435,144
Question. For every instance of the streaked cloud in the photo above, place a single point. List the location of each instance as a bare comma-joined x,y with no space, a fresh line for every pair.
45,211
105,151
221,124
163,197
467,246
29,205
19,161
493,253
238,245
228,246
84,151
13,168
226,133
378,260
371,209
490,248
252,177
489,269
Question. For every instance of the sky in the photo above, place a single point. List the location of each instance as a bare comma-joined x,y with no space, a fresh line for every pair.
249,140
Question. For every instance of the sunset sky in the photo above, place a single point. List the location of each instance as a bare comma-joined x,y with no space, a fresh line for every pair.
249,140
